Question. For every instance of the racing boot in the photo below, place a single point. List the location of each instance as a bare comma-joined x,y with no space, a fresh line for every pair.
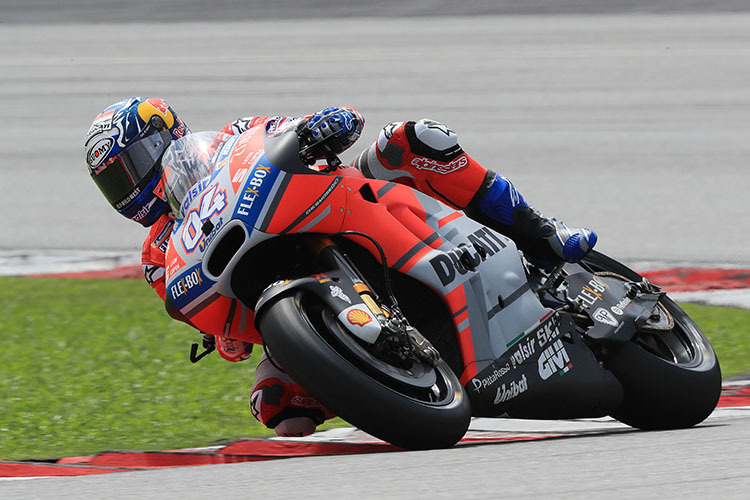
499,205
426,155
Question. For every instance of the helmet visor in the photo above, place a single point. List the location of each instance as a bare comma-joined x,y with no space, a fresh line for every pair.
118,180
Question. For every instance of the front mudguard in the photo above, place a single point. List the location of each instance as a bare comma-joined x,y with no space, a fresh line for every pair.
336,290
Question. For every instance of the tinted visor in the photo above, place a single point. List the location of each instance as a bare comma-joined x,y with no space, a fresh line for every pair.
125,171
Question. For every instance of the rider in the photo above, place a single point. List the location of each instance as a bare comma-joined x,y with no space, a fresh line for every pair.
126,141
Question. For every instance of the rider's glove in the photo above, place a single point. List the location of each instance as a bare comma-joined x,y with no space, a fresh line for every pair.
233,350
331,130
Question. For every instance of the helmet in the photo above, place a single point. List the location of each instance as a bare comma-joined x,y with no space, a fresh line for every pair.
124,147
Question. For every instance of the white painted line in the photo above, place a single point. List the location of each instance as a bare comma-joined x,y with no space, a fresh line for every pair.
32,477
513,427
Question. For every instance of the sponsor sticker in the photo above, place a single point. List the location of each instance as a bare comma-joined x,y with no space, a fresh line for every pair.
592,292
186,283
338,293
624,303
358,317
554,359
512,390
440,167
524,351
98,152
547,332
603,316
490,379
252,189
448,265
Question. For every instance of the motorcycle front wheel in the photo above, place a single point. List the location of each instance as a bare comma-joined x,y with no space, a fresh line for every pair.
417,408
671,378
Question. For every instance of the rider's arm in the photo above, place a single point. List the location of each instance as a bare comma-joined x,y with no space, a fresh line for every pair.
153,253
271,123
336,127
152,259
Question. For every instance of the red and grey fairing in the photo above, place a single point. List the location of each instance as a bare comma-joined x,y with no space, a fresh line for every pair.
510,344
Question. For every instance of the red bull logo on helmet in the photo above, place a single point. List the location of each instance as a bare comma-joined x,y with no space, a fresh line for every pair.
156,107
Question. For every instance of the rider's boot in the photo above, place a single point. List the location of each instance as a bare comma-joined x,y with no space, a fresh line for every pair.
426,155
499,205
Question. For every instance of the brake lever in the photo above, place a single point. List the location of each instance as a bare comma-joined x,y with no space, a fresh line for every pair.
209,346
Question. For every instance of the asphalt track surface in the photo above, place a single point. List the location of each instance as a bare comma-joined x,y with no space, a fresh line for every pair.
708,461
631,123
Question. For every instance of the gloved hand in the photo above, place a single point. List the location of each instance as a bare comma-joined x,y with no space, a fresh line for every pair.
330,130
233,350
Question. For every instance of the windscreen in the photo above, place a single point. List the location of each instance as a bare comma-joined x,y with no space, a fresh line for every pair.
186,164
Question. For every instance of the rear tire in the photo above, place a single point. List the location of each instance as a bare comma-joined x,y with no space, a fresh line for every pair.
671,379
421,408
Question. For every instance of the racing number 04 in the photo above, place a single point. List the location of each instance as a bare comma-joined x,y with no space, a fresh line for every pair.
213,202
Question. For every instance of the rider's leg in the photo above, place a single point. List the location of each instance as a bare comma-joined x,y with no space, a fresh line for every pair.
283,405
426,155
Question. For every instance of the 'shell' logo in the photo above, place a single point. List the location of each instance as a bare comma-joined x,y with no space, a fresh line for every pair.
358,317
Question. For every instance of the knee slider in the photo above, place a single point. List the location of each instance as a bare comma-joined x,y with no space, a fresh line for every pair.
295,427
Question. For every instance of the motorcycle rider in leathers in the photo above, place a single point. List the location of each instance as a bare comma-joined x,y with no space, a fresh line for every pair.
125,143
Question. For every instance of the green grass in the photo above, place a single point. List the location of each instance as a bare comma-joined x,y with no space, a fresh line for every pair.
92,365
728,330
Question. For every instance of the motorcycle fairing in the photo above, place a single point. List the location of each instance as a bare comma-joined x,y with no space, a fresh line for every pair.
426,240
420,236
257,187
212,306
547,373
617,312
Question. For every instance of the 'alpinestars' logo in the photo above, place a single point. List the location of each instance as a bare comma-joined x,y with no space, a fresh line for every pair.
438,126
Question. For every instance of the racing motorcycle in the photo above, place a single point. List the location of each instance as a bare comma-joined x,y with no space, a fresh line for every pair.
404,316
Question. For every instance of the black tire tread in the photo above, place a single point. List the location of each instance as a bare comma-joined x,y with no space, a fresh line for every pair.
353,395
662,395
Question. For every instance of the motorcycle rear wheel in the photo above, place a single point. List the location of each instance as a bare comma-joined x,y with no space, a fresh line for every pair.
420,408
671,379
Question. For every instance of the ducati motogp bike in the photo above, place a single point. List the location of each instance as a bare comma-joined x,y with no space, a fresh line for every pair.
404,316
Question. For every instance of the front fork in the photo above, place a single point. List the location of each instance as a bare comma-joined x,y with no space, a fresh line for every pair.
397,335
326,251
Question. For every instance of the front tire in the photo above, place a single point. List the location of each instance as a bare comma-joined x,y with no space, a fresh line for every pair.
671,379
420,408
